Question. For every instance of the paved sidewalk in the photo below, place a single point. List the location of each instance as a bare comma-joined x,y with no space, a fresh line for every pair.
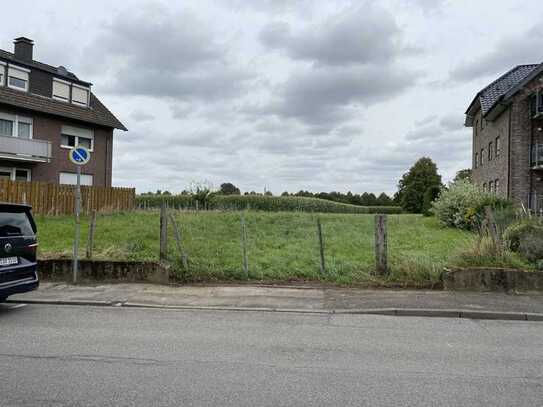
300,299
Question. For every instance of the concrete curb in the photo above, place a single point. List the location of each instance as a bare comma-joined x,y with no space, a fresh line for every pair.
397,312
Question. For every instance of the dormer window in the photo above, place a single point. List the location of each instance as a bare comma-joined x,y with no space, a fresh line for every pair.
61,90
80,95
18,78
70,92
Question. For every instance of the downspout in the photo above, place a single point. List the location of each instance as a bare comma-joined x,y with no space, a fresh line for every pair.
509,154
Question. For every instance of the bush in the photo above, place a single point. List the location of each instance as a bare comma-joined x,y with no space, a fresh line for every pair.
462,205
263,203
526,238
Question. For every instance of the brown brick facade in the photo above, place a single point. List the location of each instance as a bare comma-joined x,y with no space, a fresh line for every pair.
518,131
497,167
48,128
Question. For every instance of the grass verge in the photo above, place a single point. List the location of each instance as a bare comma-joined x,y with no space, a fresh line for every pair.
281,246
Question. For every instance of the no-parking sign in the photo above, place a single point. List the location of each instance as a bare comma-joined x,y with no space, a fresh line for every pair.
79,155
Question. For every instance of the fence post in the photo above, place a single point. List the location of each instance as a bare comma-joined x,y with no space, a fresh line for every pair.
244,246
381,245
321,246
90,240
163,255
177,235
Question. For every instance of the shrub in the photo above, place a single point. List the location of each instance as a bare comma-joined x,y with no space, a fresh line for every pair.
526,238
264,203
462,205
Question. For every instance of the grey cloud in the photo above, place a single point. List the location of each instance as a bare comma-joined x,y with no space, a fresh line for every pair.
153,51
209,85
140,115
329,96
508,53
366,35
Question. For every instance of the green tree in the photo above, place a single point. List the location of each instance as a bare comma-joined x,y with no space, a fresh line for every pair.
430,196
463,175
414,183
229,189
384,200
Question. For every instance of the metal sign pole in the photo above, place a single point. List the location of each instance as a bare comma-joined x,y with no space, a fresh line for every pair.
77,224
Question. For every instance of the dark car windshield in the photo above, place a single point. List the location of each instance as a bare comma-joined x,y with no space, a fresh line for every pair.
15,224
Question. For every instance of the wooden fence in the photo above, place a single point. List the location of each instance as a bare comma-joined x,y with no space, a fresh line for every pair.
54,199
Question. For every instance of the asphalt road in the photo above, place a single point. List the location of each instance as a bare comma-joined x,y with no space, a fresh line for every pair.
94,356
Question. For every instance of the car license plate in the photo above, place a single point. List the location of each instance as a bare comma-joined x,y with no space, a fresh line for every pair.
7,261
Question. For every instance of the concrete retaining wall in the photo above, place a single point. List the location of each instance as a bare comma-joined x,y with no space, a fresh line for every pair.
492,279
104,271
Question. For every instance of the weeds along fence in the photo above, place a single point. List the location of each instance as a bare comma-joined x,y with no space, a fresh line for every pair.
258,202
54,199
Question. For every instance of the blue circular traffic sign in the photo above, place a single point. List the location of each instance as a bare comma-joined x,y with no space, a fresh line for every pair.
79,155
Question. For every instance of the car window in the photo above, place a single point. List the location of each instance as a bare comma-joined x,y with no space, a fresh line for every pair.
15,224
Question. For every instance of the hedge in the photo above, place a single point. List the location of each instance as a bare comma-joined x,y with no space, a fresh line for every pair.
261,203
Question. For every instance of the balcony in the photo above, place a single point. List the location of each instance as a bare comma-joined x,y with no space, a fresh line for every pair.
20,149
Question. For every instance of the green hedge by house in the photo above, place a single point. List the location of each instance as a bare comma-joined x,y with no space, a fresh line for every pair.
261,203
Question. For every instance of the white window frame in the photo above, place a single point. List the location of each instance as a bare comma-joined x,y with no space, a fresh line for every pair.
12,171
68,133
15,118
3,73
86,104
75,175
67,100
18,68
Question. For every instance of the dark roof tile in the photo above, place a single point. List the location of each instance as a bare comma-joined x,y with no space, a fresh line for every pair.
97,113
490,95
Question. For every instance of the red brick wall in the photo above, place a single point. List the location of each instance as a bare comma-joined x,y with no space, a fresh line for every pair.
48,128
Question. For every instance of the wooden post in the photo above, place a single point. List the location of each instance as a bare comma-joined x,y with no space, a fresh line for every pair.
381,266
321,246
244,246
493,228
90,240
163,233
177,235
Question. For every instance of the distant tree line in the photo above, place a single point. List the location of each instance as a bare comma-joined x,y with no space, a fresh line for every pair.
364,199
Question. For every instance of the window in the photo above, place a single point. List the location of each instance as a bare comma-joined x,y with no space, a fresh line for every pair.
490,150
476,160
15,174
2,72
6,127
80,96
15,224
71,178
481,157
497,185
69,92
18,78
75,137
490,186
15,126
61,90
484,187
498,146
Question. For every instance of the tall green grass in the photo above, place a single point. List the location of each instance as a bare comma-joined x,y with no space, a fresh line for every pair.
261,203
281,246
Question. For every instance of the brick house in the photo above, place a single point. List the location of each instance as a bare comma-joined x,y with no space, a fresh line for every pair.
507,121
44,111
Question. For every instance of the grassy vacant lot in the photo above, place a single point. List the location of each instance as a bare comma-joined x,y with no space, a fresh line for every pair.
281,246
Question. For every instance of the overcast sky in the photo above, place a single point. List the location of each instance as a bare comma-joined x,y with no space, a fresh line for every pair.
283,94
